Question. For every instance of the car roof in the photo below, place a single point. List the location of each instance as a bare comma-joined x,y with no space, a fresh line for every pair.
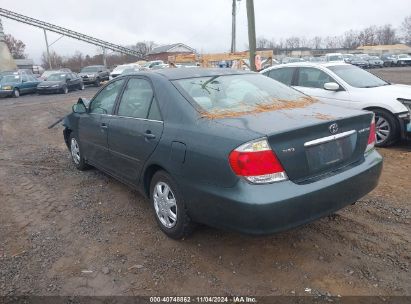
182,73
307,64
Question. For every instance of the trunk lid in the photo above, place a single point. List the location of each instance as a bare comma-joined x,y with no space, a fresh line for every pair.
311,141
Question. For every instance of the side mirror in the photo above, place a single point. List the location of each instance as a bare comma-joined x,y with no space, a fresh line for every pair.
331,86
79,108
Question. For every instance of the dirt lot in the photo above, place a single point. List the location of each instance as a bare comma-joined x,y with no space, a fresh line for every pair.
65,232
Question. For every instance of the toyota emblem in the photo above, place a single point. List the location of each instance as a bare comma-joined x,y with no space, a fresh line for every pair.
333,128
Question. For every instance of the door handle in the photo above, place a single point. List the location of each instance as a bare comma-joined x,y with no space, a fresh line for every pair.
149,135
103,125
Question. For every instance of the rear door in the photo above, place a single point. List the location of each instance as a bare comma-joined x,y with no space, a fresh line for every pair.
310,81
93,126
285,75
134,130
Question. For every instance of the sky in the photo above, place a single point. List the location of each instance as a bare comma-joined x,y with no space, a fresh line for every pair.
204,25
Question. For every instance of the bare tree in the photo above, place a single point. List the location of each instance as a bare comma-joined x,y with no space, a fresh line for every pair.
262,43
406,29
16,47
316,42
55,59
292,42
143,48
386,34
368,36
351,40
333,42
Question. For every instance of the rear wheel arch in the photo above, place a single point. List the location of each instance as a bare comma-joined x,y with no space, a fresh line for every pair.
391,117
148,176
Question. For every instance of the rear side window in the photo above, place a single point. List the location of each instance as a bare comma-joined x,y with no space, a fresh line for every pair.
136,99
312,78
284,75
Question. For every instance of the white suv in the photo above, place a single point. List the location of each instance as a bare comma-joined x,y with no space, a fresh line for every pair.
349,86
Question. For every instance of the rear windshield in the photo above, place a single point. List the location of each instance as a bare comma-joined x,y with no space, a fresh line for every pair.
236,94
89,69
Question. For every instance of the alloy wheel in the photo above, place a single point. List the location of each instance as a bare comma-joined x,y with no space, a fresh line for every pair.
165,205
16,93
75,151
383,129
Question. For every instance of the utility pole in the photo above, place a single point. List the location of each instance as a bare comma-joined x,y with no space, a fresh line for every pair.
48,51
251,33
104,57
233,25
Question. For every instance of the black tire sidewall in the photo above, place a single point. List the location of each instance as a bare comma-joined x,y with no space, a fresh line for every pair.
394,127
98,82
183,224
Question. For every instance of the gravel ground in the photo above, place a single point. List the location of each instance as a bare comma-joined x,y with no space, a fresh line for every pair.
65,232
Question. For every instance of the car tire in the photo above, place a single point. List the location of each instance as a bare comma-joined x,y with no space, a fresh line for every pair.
98,82
386,127
16,93
81,86
169,207
64,90
76,153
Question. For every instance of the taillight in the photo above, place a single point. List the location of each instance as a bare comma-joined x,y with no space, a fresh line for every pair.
372,138
257,163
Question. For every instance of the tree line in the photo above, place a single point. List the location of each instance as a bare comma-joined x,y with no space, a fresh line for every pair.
352,39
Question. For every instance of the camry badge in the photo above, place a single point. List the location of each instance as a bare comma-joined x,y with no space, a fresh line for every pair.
333,128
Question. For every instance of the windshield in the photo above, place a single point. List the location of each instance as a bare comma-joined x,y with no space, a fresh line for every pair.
56,77
238,94
10,78
357,77
89,70
335,58
48,73
403,56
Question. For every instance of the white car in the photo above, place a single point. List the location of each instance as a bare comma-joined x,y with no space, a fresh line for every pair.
402,59
348,86
334,57
121,68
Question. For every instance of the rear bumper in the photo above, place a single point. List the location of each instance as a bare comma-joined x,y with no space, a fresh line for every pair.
264,209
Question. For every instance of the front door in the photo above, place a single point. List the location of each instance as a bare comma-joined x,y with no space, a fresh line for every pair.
311,82
134,130
93,126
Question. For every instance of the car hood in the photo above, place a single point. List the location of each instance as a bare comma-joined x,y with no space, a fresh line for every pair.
394,91
9,83
50,83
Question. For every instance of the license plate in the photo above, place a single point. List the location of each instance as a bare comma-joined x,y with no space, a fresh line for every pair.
329,154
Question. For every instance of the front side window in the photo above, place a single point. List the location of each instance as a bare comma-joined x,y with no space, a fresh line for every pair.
103,103
234,94
312,78
357,77
136,99
284,75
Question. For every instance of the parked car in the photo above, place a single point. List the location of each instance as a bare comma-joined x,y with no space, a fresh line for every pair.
388,59
348,86
94,74
360,62
60,83
334,57
50,72
402,60
375,62
121,68
17,84
211,146
291,59
348,57
150,64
